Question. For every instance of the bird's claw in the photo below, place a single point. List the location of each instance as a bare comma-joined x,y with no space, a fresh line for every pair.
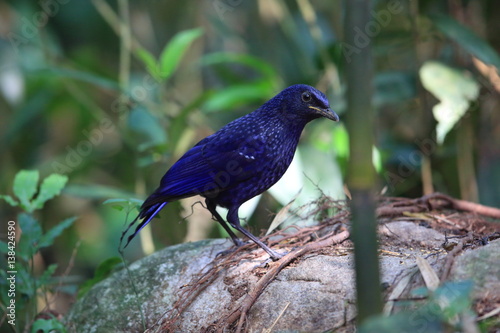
275,256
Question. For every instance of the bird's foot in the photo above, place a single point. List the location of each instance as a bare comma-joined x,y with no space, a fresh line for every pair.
226,252
238,242
275,256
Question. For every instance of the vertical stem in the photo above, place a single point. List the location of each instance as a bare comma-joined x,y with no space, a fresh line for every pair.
125,45
309,16
425,106
465,131
361,174
465,162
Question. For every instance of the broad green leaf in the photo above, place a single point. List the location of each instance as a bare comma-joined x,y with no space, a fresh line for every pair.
31,233
466,38
11,201
149,61
51,187
25,187
48,238
175,49
104,269
454,88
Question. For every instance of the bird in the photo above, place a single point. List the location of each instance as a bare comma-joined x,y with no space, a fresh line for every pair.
240,161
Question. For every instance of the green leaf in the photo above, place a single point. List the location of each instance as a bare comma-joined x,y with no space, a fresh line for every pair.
11,201
104,269
51,186
51,325
25,187
455,90
48,238
175,49
31,233
149,61
466,38
454,298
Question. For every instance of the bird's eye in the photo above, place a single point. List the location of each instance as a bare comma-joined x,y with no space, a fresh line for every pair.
306,97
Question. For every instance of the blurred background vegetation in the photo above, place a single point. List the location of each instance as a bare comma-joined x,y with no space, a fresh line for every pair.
111,92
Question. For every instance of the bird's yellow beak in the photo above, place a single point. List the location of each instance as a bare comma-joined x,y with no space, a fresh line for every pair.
327,113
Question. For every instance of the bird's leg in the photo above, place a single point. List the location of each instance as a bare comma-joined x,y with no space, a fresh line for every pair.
234,220
234,238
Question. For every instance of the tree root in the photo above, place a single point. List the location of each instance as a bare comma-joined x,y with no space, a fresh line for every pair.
434,201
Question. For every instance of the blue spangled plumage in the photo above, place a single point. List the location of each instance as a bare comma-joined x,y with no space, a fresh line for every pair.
241,160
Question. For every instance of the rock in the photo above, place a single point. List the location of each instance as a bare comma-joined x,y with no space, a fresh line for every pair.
479,266
314,293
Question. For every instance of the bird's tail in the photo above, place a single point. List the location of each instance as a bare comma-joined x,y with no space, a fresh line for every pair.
144,217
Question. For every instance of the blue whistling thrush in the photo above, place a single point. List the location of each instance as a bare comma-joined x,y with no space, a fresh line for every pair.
240,161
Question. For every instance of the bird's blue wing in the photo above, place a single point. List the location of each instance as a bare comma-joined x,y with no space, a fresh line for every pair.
238,159
214,164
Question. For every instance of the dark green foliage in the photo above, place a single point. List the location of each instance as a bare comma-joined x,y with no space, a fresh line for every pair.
437,312
20,251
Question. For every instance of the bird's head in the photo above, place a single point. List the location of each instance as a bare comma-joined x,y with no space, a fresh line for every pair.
305,102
